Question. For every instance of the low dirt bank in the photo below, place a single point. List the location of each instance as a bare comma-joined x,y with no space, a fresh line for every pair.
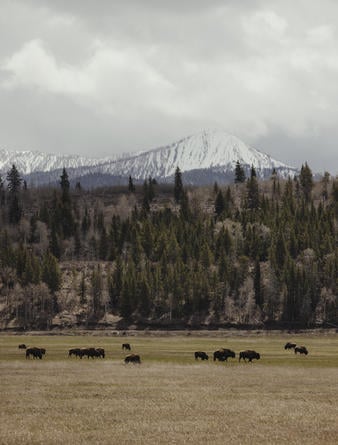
220,333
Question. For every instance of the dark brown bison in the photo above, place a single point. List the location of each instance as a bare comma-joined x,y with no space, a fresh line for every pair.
202,355
133,358
74,351
250,355
222,355
92,352
290,345
301,350
22,346
34,352
126,346
101,352
83,352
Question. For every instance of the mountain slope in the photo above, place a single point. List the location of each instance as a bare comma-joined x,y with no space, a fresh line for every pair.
33,161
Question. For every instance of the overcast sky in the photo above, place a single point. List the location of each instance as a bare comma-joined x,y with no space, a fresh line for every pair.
102,77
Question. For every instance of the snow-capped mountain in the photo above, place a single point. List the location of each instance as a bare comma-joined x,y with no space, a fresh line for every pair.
205,157
209,149
34,161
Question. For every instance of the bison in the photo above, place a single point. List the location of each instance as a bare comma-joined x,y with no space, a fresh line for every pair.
126,346
250,355
133,358
290,345
34,352
202,355
74,351
101,352
92,352
22,346
222,355
301,350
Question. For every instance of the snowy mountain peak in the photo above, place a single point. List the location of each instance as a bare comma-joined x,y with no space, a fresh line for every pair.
204,150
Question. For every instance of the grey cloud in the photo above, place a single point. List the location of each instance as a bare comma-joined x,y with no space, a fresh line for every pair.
133,75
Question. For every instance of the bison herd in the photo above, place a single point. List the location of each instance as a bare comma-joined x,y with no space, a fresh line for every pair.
221,355
299,349
90,352
87,352
35,352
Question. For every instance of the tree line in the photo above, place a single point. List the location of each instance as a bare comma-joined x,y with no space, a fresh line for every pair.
250,253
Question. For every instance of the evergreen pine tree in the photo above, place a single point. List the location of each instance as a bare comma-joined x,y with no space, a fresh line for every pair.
252,193
66,214
51,274
178,186
219,203
13,185
146,201
65,186
131,186
239,173
13,180
306,181
54,243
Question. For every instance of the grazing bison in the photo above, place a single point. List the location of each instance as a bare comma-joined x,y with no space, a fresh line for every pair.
222,355
250,355
92,352
290,345
34,352
74,351
22,346
301,350
202,355
100,351
126,346
133,358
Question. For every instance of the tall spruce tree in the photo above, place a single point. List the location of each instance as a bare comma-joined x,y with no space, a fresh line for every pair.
13,185
252,191
306,181
239,173
178,186
219,203
131,186
66,214
13,180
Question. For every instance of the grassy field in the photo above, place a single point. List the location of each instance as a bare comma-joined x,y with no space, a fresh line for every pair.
170,398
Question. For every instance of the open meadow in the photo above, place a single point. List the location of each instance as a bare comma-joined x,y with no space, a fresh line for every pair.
170,398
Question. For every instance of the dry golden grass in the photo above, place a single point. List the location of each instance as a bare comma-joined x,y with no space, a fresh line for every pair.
67,401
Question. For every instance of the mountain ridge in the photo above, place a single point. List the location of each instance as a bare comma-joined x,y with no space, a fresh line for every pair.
212,152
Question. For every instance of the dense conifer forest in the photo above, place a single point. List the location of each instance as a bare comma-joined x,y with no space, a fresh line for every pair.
254,253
